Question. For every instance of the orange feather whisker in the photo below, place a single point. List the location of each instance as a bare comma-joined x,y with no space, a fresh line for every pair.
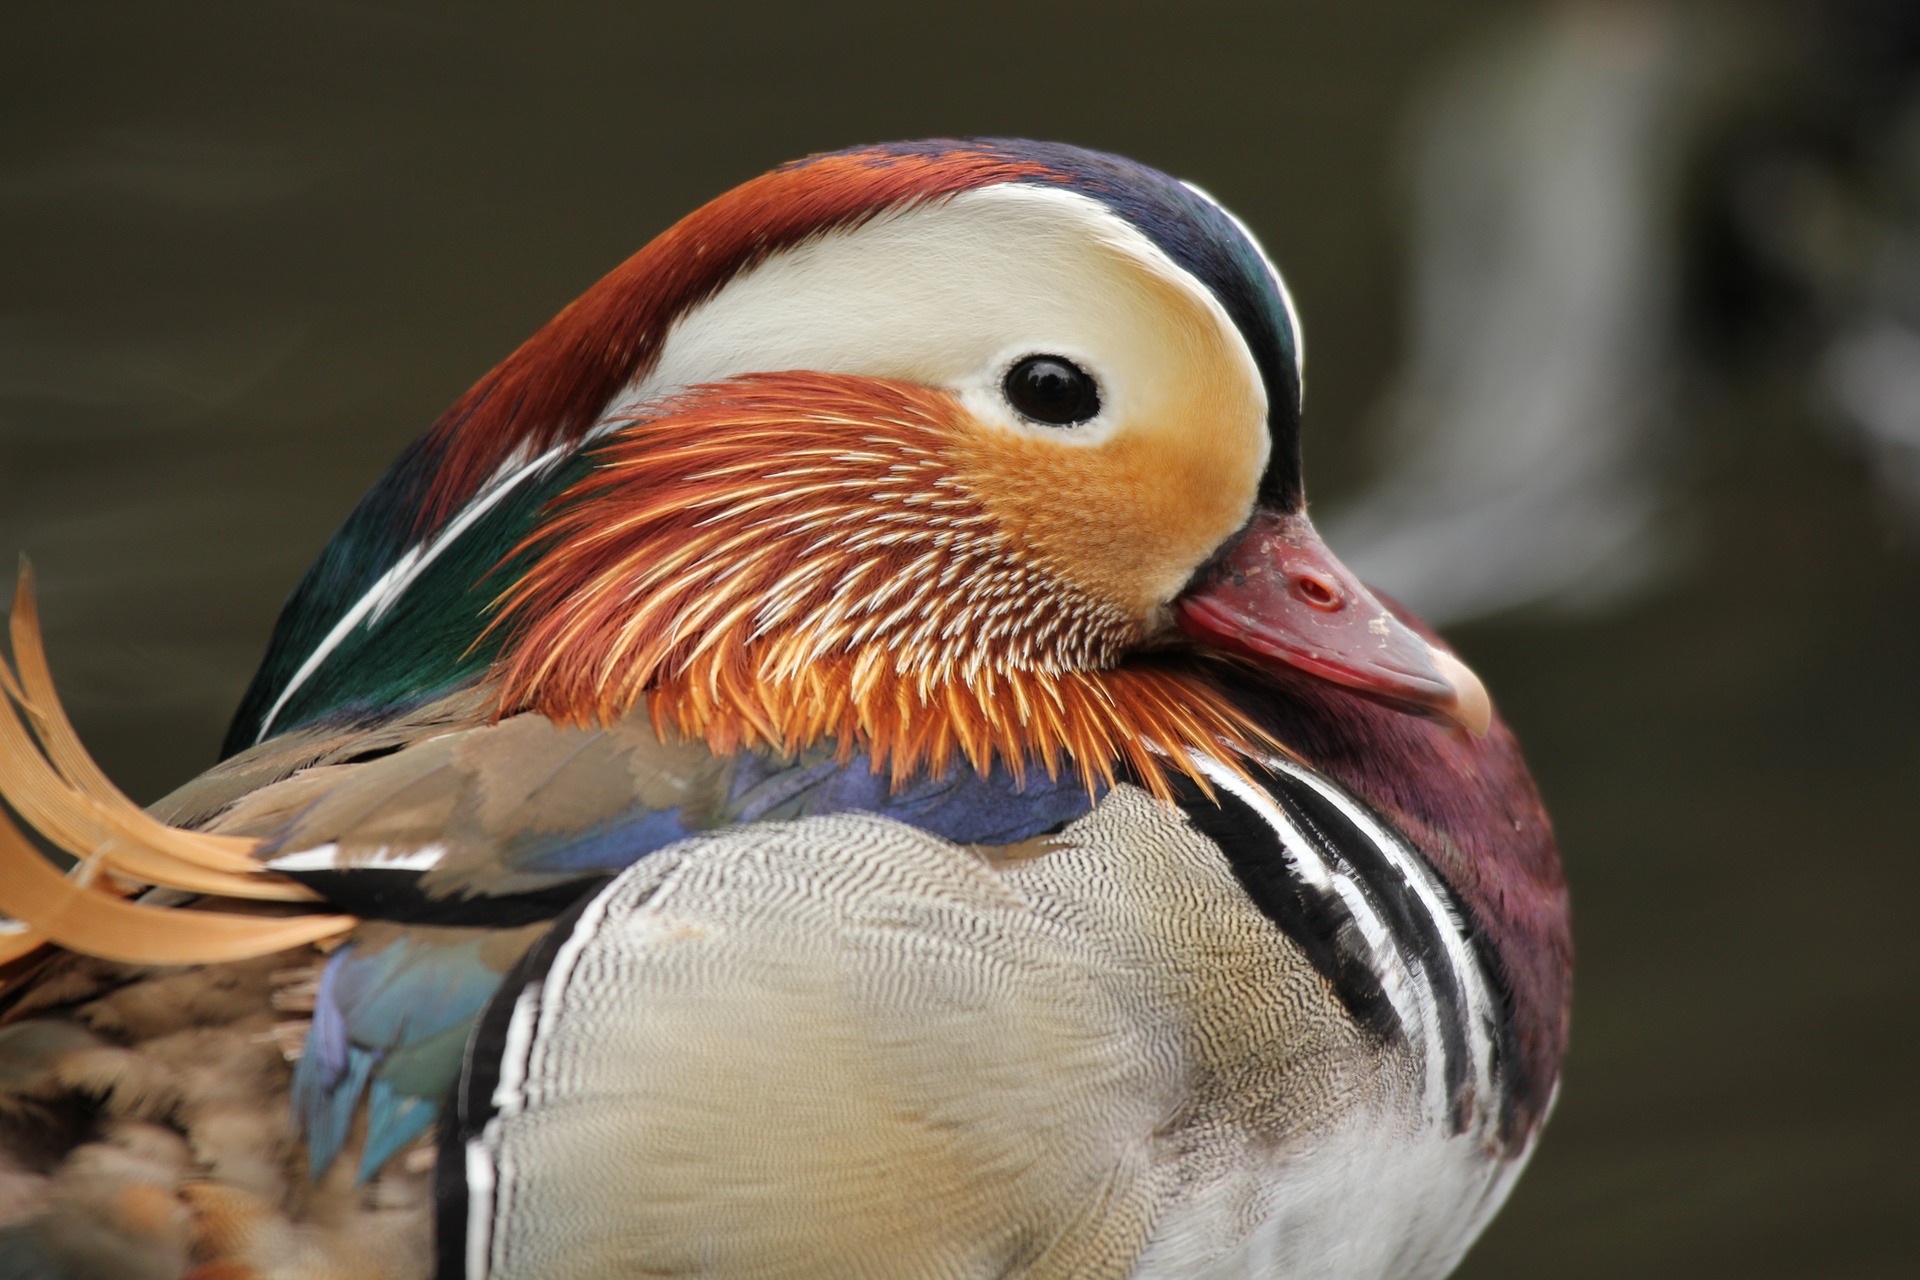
761,581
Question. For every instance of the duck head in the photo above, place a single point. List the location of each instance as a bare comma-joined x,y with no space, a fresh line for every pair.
983,449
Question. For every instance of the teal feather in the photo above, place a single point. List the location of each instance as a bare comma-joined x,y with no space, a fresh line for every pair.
432,638
395,1118
329,1116
389,1022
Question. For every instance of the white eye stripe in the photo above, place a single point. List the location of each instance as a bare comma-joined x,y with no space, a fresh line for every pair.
976,282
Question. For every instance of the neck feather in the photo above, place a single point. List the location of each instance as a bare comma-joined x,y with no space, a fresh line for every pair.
1141,720
1470,806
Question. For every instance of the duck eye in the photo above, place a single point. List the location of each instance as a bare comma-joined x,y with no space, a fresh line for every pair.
1052,390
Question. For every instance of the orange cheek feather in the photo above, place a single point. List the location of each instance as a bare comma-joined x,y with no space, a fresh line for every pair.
1126,522
787,558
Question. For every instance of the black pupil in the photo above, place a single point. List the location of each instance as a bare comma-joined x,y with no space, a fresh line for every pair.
1051,390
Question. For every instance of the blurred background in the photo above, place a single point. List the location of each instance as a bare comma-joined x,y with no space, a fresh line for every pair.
1613,333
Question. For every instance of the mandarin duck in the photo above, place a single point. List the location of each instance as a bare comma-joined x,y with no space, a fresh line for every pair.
842,756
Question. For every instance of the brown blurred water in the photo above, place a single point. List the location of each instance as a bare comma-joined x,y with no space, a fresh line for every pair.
248,250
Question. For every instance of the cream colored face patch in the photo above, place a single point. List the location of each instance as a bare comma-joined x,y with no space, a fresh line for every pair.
1125,505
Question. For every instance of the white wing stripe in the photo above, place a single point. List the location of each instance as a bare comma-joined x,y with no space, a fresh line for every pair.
392,584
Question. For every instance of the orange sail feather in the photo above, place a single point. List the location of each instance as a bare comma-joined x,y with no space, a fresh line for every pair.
49,781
